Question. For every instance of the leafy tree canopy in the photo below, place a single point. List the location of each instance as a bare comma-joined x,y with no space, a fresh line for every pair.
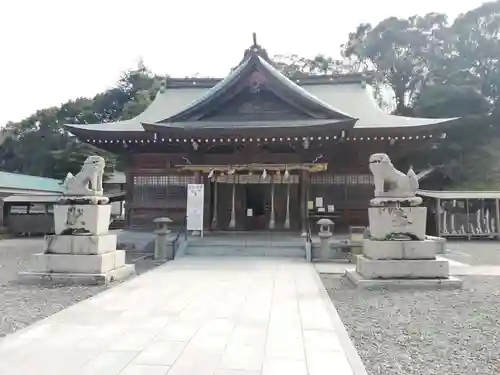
39,145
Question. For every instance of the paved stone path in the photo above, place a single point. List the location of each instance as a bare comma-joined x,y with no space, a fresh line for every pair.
197,316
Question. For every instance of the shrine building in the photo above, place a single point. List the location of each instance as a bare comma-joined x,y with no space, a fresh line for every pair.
273,153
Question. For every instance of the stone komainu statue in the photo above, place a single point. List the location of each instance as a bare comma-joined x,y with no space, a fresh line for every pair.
389,182
91,174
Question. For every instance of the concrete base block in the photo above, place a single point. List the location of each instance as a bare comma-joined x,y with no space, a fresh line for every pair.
383,221
69,278
378,250
80,245
402,269
82,218
440,244
86,264
364,283
322,253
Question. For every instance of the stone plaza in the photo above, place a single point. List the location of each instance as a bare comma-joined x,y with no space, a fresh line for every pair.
257,316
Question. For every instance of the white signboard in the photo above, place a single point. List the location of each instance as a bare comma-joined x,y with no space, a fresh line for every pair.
195,195
319,202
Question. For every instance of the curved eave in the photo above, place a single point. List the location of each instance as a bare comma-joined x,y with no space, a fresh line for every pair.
302,94
86,133
253,128
282,86
422,126
210,94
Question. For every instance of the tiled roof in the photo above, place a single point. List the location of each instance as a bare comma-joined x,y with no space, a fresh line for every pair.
25,182
354,99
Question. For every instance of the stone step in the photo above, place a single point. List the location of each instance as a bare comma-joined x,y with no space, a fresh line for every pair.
245,250
238,239
250,243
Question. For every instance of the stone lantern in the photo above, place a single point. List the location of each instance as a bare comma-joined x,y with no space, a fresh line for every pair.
162,230
325,228
325,232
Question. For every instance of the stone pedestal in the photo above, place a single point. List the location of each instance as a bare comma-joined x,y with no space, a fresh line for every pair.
82,251
82,218
401,264
398,253
383,221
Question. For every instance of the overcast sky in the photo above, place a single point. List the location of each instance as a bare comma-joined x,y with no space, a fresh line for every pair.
55,50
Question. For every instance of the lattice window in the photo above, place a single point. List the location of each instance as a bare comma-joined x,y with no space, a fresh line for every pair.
171,180
366,179
342,190
359,179
339,179
322,178
342,179
257,179
170,189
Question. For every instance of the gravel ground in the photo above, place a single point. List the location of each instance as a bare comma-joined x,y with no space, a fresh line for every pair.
21,305
13,256
416,332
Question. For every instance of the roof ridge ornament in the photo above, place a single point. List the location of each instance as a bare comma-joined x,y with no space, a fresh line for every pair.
256,50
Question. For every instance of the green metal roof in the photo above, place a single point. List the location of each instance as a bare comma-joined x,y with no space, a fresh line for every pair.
25,182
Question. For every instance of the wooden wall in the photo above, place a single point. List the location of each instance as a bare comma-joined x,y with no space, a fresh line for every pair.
155,188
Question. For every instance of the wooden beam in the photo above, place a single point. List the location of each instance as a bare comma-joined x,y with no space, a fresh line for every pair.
317,167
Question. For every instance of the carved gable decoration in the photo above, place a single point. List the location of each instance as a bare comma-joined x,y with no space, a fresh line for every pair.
255,82
256,91
255,102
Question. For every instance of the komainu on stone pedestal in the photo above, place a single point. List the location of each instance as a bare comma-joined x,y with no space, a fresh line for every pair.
397,252
392,185
82,251
87,182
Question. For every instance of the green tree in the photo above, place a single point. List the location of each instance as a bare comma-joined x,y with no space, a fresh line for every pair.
476,60
39,145
294,66
445,101
405,52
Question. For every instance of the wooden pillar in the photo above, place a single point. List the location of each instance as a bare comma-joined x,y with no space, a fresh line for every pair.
214,217
304,195
129,195
497,217
438,216
4,213
197,177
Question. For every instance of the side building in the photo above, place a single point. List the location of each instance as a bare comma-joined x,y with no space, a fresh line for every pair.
272,152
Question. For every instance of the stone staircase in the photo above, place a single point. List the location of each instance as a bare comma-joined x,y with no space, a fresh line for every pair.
289,245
